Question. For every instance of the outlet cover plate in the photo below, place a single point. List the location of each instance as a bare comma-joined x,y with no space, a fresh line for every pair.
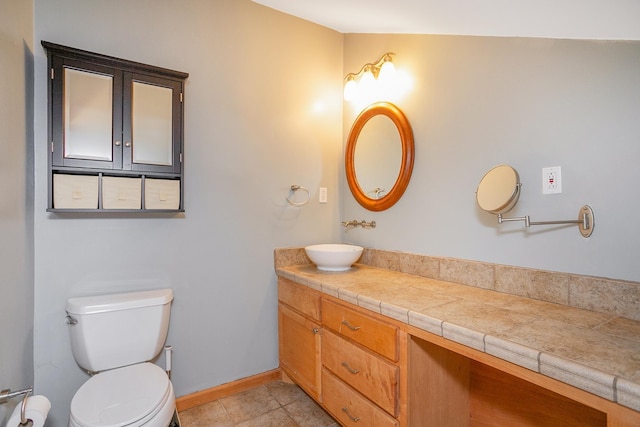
551,180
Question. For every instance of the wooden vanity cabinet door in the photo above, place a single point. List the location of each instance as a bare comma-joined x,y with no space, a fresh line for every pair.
349,407
299,346
376,335
374,377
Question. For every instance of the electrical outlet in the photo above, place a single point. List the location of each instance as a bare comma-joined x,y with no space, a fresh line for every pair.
551,180
322,195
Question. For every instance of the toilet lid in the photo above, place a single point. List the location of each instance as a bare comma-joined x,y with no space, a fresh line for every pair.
121,396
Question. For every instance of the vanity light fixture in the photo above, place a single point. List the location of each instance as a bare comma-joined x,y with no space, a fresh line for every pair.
379,73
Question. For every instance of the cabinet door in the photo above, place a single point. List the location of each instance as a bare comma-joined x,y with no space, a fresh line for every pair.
152,123
300,349
86,110
107,118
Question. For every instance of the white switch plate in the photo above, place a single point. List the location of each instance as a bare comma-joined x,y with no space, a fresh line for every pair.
551,180
322,195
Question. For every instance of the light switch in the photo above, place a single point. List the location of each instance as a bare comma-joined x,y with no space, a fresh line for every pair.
322,195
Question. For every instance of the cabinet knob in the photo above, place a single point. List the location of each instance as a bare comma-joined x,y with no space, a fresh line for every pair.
315,330
127,144
118,143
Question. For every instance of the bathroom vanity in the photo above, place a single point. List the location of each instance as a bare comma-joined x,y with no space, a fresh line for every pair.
382,348
346,359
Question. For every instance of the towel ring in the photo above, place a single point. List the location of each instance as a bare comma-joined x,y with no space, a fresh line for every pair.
295,188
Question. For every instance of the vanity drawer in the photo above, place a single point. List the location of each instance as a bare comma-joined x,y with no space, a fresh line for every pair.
379,336
299,297
372,376
349,407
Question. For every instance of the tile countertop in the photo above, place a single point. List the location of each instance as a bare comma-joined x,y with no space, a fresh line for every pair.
593,351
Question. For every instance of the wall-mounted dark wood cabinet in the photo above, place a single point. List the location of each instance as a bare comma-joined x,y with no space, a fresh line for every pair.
116,134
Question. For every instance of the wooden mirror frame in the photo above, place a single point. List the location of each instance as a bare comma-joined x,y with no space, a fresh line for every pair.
406,139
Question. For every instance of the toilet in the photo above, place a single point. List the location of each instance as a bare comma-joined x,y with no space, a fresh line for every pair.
114,337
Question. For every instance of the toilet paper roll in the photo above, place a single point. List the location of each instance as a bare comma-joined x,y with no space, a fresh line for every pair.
37,411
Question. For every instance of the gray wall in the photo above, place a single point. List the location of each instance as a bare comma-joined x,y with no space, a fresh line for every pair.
263,111
16,198
480,101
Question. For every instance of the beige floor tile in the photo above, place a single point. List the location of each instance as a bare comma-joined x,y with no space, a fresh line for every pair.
307,413
285,392
207,415
249,404
277,404
275,418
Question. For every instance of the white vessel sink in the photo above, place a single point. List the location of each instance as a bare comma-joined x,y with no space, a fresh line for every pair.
333,257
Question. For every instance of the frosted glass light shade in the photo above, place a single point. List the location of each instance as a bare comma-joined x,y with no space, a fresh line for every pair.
350,90
367,82
387,73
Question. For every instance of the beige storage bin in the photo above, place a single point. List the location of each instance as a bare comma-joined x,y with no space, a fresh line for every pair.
121,193
161,193
75,191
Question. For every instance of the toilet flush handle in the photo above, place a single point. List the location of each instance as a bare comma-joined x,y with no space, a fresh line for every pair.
71,320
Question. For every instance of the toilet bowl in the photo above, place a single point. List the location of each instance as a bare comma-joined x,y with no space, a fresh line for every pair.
136,395
115,336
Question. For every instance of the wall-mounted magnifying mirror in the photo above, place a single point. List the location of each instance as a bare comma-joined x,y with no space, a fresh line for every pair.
379,156
499,190
498,193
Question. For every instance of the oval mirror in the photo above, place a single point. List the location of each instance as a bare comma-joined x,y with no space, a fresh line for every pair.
379,156
499,190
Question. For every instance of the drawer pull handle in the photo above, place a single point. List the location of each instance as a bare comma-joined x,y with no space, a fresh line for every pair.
350,326
349,368
346,411
315,330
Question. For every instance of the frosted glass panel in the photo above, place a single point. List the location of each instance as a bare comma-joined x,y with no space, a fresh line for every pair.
152,124
87,115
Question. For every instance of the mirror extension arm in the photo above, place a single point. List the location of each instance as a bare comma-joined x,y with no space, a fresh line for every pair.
585,221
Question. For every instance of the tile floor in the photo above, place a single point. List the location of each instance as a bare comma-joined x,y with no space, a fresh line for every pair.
276,404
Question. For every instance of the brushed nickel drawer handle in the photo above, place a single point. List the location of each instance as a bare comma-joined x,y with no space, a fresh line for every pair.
349,368
315,330
346,411
350,326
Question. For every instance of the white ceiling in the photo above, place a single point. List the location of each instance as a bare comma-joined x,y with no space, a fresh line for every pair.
580,19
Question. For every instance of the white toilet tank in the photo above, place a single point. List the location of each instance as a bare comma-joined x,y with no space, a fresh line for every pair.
110,331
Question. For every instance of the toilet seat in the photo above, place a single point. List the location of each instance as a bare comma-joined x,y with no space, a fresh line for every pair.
131,396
